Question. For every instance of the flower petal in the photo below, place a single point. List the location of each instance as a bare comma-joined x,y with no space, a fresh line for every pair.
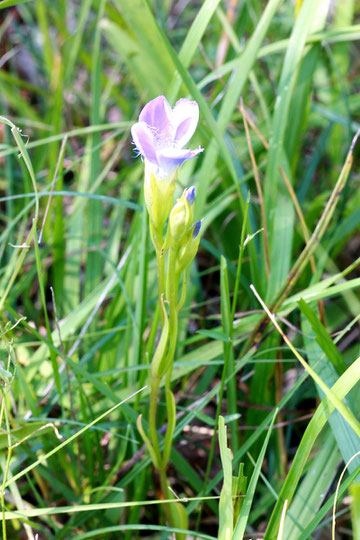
171,158
196,227
185,119
157,114
144,141
190,195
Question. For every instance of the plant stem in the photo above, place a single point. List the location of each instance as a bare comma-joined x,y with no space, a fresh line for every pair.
8,460
167,493
155,383
160,259
172,287
168,289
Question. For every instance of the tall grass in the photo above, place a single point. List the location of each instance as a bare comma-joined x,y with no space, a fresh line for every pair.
267,361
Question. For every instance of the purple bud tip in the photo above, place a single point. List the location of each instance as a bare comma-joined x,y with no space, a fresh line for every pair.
190,195
197,227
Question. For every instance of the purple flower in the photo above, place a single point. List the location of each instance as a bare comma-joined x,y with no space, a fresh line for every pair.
162,132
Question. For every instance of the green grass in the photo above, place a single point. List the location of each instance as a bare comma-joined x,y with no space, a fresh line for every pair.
261,437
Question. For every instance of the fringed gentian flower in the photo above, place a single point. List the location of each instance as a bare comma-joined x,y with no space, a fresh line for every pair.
160,137
162,132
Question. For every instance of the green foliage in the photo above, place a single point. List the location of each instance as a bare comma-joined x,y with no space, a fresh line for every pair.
79,325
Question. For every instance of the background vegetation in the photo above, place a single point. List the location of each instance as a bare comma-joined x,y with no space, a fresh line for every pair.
277,85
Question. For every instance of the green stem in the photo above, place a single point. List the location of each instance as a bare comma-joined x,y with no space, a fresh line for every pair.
160,258
7,465
160,465
171,295
172,288
158,241
172,347
155,384
167,494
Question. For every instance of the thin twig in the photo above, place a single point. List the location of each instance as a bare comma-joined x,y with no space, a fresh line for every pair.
333,399
224,41
287,183
258,187
308,250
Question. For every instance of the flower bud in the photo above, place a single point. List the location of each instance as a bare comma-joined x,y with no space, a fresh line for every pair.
190,195
181,216
159,196
190,248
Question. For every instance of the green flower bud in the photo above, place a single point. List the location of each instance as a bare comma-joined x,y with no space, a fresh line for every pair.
181,216
189,248
159,196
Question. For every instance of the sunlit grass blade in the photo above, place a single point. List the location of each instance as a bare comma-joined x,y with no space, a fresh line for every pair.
94,218
341,388
311,494
226,517
240,525
326,360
